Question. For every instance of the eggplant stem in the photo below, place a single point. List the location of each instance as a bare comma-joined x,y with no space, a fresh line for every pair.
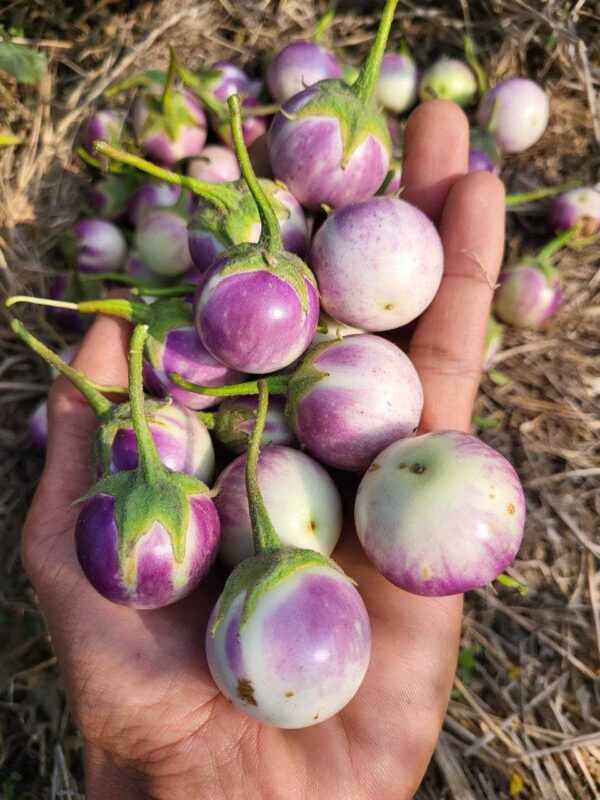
277,384
91,391
270,232
263,532
217,194
148,458
365,83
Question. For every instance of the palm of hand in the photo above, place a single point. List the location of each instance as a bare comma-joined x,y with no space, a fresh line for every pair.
138,683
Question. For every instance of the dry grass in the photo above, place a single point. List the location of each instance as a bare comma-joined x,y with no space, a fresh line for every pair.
524,717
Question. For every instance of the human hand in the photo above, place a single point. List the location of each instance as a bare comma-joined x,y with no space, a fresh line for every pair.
154,723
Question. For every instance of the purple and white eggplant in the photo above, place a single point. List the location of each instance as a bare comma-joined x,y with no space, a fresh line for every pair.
297,66
515,112
230,79
172,345
347,399
529,292
168,121
378,263
161,238
289,639
150,196
233,422
181,438
111,195
300,497
464,539
449,79
330,143
146,537
246,335
578,206
217,164
396,89
108,125
97,246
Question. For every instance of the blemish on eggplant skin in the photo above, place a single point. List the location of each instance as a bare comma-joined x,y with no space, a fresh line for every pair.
510,508
316,716
388,307
289,694
426,572
417,469
402,465
245,691
373,468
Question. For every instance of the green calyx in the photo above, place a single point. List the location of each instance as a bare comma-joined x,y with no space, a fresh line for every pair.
235,226
282,265
112,421
303,378
229,418
272,563
151,493
357,118
140,503
258,575
167,112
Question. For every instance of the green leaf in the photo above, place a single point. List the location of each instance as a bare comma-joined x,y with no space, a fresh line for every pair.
467,662
499,378
485,422
23,63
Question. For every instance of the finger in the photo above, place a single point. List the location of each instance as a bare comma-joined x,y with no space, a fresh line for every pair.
68,471
436,154
447,346
102,356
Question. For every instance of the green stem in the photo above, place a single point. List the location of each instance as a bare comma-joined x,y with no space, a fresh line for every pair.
83,154
512,583
277,384
473,62
8,139
365,83
221,195
183,290
128,83
386,182
148,459
193,82
114,277
323,24
556,244
539,194
117,307
270,232
208,418
166,101
265,536
97,401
